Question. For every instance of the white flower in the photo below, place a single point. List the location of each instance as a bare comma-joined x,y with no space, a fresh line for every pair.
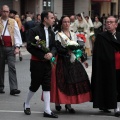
39,46
72,43
37,37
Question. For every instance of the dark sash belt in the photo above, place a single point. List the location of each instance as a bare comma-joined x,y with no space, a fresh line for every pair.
35,58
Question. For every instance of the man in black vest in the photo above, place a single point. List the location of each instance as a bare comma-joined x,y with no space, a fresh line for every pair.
40,65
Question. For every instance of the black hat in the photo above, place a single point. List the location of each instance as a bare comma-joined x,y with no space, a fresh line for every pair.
13,11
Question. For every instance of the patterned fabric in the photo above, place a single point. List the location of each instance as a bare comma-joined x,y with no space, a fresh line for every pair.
72,78
10,26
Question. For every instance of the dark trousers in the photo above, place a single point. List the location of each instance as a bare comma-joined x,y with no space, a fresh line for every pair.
7,53
118,83
40,75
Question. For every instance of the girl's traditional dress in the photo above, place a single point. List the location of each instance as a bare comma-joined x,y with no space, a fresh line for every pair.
70,83
82,27
97,27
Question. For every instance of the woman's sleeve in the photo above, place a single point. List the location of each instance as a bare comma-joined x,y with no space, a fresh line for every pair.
57,37
60,48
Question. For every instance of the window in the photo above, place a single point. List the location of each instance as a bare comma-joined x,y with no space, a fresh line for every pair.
48,5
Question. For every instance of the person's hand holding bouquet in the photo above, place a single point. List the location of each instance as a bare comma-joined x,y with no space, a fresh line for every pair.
73,50
41,44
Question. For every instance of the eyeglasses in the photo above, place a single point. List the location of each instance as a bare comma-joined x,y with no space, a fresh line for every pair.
111,22
5,11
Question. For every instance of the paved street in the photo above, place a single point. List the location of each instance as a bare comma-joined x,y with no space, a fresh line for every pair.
11,107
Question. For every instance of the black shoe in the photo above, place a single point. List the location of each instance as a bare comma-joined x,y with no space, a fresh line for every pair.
2,91
117,114
71,110
105,110
14,91
20,58
58,108
27,111
53,115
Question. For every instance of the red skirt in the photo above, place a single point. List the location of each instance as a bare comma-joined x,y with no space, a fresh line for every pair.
56,96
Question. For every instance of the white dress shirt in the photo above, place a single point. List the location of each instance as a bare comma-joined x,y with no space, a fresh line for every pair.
47,37
17,35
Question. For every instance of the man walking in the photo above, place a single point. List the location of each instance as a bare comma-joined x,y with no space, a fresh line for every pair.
105,82
10,41
40,66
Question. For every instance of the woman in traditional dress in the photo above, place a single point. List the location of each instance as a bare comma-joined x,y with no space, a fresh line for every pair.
70,82
97,26
83,27
90,30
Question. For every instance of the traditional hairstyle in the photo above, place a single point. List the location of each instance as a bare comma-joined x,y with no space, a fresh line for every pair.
60,23
13,11
79,15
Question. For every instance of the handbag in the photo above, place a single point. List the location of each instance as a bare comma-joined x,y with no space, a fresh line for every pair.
1,37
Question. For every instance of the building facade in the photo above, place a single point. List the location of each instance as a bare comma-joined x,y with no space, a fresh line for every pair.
67,7
108,7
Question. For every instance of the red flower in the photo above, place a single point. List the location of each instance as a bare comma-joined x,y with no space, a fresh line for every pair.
82,36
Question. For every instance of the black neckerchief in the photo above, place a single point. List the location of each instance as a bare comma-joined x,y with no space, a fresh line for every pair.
67,36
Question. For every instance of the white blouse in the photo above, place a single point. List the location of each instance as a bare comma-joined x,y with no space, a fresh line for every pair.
97,24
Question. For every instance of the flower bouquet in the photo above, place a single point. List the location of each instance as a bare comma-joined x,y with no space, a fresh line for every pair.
76,52
72,45
81,37
41,44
